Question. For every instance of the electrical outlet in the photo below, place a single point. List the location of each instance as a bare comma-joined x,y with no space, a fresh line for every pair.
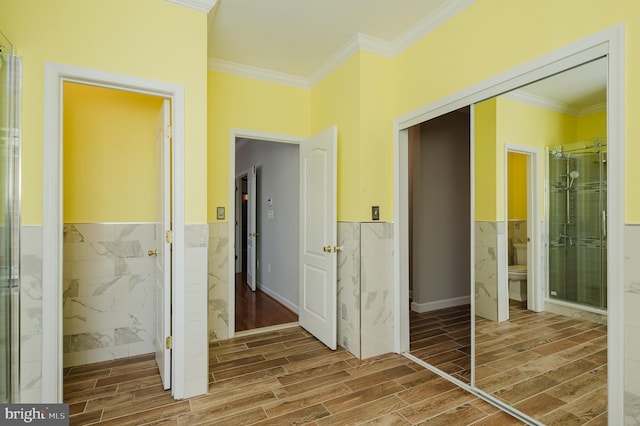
375,212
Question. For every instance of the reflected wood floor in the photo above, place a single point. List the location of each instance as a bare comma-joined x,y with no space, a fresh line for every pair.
442,338
257,309
551,367
283,377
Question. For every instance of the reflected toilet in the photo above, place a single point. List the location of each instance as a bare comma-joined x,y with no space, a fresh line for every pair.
518,273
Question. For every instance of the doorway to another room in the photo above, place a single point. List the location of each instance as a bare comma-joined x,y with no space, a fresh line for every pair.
267,234
440,242
117,265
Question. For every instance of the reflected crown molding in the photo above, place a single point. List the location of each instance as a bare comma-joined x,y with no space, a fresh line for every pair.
199,5
553,105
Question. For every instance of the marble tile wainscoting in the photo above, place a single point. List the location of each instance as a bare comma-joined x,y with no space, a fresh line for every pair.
365,288
632,324
109,306
486,270
196,348
218,281
349,287
517,234
31,354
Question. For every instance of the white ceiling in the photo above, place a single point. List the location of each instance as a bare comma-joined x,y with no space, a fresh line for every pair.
297,37
303,40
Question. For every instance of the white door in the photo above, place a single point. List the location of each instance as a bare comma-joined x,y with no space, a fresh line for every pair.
318,245
163,245
252,228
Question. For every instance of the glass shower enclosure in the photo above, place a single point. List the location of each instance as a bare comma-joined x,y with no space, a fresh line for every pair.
577,214
10,97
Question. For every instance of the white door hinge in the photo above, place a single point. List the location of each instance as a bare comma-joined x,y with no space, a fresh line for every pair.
169,237
168,131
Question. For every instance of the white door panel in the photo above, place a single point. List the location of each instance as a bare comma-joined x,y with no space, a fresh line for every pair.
252,228
318,257
163,248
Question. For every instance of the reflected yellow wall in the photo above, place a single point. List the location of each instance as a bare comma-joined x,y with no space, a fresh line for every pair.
485,160
109,155
517,186
151,39
244,103
592,126
493,36
500,121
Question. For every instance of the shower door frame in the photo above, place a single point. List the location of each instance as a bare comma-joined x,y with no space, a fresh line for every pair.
13,205
576,305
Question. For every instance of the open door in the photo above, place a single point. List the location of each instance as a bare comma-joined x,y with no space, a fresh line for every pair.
252,228
318,245
163,245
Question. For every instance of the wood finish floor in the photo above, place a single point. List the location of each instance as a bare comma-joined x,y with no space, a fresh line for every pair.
551,367
283,377
257,309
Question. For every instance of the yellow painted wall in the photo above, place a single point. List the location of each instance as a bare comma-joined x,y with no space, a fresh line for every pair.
109,155
357,98
336,100
244,103
376,129
493,36
151,39
517,186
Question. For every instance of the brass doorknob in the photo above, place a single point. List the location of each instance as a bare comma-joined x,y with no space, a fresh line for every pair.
152,252
327,249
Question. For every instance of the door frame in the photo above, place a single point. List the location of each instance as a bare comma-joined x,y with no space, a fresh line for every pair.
55,75
535,283
609,42
231,276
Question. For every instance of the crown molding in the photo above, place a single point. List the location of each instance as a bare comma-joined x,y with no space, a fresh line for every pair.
593,109
539,101
199,5
429,23
257,73
550,104
355,44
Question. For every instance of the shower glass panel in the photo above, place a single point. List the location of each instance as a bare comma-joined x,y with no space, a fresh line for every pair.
577,212
10,84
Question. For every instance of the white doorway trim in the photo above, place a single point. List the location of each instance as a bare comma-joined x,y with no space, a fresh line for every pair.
249,134
608,42
535,283
54,76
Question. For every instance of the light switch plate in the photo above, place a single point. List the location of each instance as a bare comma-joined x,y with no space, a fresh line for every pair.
375,212
220,213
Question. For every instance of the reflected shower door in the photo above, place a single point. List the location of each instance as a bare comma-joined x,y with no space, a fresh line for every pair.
10,71
577,224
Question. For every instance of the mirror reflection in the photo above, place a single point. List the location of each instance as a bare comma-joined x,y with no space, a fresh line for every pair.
440,243
540,273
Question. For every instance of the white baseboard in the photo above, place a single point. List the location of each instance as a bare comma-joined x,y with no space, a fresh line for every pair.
440,304
290,305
